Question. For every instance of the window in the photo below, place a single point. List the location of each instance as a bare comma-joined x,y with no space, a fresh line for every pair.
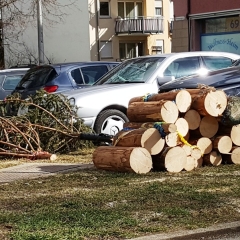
106,49
104,9
129,9
76,75
158,8
158,49
130,50
213,63
11,82
183,67
92,73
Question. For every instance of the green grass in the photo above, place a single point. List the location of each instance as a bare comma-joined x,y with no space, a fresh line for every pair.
95,204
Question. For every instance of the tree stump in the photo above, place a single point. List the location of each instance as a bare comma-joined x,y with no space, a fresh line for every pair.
212,103
122,159
223,144
149,138
214,158
235,133
193,118
171,159
154,111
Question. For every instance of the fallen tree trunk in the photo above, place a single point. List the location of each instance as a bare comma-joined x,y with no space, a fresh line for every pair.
122,159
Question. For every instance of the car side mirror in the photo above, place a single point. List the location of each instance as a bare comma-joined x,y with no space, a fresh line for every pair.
164,79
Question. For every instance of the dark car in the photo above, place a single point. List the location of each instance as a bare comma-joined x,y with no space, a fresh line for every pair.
9,79
227,79
61,77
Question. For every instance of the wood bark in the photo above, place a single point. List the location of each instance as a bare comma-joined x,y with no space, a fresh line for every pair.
122,159
223,144
167,127
235,133
193,118
149,138
171,159
154,111
212,103
214,158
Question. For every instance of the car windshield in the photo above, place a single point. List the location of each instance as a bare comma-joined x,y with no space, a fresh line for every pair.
136,70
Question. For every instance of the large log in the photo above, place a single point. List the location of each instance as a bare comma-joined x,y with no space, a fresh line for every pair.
205,145
235,155
149,138
171,159
122,159
183,101
172,139
208,126
154,111
193,118
214,158
167,127
190,163
212,103
223,144
235,134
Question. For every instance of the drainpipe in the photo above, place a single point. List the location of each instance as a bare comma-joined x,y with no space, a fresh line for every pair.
97,28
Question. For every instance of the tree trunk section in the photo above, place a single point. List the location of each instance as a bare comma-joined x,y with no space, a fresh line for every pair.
183,101
122,159
182,126
172,139
171,159
208,126
149,138
223,144
193,118
235,155
154,111
212,103
190,163
214,158
205,145
235,134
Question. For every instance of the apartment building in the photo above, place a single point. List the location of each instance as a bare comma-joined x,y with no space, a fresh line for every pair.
206,25
121,29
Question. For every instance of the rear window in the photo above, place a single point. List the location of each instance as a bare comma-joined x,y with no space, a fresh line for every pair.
37,77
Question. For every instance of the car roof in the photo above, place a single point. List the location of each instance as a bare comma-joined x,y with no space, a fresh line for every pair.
193,53
13,71
81,63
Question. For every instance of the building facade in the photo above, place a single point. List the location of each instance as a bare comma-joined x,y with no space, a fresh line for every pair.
206,25
121,29
110,30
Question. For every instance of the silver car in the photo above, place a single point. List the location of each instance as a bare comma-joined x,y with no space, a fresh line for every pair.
103,106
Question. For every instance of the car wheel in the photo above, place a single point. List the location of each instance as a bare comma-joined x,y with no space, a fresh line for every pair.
110,122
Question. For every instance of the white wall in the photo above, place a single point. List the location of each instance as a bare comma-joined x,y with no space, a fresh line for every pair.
66,41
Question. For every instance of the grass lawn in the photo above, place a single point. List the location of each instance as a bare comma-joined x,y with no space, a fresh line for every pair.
96,204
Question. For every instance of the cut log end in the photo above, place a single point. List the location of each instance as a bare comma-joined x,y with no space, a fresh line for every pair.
169,112
182,126
193,118
208,126
235,133
183,101
205,145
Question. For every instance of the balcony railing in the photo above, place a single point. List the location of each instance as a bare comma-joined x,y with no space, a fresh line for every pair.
144,25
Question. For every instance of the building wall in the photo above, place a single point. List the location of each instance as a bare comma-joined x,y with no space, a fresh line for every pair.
63,42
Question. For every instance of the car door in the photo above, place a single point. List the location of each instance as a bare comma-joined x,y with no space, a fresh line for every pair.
182,67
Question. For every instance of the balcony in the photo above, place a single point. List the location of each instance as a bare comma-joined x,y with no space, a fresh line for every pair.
142,25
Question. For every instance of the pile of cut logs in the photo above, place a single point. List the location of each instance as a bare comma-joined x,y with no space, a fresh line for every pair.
175,131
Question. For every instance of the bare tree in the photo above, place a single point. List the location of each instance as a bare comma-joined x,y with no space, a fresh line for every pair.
17,15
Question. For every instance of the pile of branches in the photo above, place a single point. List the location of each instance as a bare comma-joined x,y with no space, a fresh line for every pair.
40,124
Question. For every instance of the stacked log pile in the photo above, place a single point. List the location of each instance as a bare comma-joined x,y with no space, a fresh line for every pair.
175,131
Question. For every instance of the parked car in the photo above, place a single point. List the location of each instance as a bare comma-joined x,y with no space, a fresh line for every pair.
227,79
9,78
103,106
61,77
